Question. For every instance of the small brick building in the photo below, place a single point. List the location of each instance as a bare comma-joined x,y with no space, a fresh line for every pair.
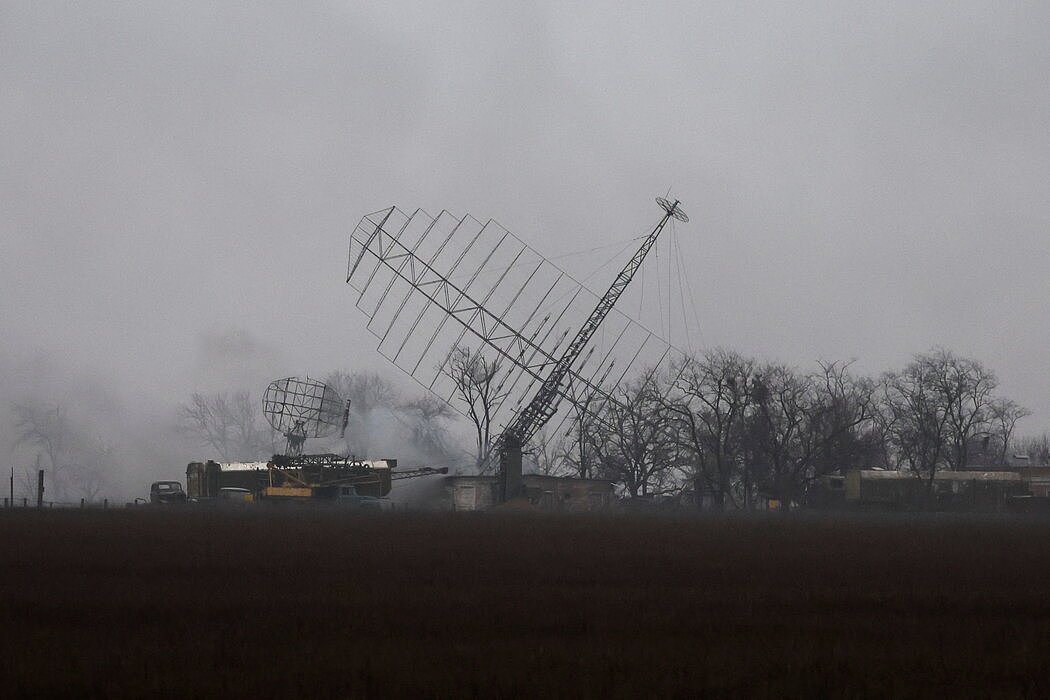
555,494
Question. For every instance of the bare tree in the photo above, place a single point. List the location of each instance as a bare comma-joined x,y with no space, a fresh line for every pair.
368,393
428,414
781,397
632,441
1035,447
475,380
711,400
89,478
250,434
808,425
552,454
1003,415
965,388
228,424
915,423
46,428
840,431
574,449
76,462
208,420
933,409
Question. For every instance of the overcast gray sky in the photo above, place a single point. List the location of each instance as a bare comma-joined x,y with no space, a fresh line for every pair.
865,180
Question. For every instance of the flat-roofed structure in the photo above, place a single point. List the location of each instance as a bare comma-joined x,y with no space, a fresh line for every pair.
554,494
951,490
1037,478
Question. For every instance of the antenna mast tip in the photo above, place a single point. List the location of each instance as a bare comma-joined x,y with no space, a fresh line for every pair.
672,209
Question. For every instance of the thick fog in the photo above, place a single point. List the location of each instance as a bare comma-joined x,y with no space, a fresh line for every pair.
177,181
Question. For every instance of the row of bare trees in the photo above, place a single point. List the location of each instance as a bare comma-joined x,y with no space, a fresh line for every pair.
1035,449
81,458
725,426
720,424
229,424
733,428
424,417
76,460
942,412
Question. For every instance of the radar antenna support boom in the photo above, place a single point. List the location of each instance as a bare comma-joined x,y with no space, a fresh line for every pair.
544,403
414,260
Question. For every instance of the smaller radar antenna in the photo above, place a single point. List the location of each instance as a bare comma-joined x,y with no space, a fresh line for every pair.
302,408
672,208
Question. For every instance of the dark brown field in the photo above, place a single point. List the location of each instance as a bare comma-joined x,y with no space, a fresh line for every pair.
192,604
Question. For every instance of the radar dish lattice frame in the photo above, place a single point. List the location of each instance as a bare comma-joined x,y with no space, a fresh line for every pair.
431,284
673,209
302,408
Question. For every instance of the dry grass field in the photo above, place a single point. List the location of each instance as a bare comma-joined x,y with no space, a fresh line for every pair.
194,604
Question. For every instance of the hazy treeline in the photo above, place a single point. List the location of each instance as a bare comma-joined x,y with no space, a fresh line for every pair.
92,438
383,423
97,438
737,428
93,446
76,459
720,422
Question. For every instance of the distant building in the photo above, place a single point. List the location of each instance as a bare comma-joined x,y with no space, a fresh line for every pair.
1034,474
1037,478
877,489
555,494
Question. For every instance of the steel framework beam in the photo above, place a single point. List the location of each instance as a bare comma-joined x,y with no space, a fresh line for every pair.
545,403
458,304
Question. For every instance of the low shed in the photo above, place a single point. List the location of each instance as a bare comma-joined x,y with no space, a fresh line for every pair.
1038,479
556,494
951,490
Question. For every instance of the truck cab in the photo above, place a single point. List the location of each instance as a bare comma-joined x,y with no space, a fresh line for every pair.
166,493
348,496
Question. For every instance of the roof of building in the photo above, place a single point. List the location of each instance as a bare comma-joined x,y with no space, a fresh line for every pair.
241,466
978,476
1035,470
883,474
565,479
542,478
943,475
252,466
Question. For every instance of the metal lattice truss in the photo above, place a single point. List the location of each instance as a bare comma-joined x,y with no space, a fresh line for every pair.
430,284
310,408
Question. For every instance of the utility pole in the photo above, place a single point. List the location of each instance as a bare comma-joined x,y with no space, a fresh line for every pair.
39,484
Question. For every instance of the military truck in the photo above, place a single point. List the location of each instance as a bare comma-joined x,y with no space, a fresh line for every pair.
166,493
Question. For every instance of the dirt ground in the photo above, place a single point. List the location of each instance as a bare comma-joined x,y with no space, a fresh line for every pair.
136,603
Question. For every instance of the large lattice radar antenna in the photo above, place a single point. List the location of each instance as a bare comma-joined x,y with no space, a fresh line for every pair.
435,286
302,408
672,208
